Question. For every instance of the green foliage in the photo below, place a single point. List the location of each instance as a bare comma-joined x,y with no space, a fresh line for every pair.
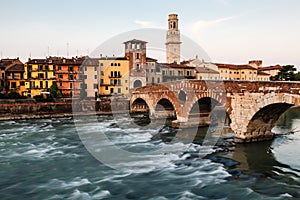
286,73
55,93
297,76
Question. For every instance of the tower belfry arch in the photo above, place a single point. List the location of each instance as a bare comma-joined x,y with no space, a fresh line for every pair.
173,40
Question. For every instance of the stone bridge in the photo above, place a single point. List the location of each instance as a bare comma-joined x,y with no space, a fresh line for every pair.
252,108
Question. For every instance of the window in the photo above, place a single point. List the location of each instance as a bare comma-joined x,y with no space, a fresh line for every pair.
243,72
95,86
200,78
106,87
116,64
152,81
22,83
95,68
40,75
111,90
102,81
137,56
70,69
102,73
138,67
250,72
111,64
71,77
101,64
126,88
41,84
13,85
189,73
180,73
95,76
119,90
32,84
60,84
59,68
46,84
126,81
158,80
71,85
119,64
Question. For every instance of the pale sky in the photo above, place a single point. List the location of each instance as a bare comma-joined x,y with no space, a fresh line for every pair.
231,31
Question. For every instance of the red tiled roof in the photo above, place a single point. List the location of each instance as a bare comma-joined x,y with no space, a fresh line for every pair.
150,59
236,67
173,65
262,73
11,65
58,61
276,67
206,70
135,41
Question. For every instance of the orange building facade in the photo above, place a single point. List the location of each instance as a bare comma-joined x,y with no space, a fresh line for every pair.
67,72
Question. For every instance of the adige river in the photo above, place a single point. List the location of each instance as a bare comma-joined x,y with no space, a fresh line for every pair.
46,159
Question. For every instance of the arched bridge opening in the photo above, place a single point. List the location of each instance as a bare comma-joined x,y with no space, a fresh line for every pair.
260,126
140,112
208,111
164,109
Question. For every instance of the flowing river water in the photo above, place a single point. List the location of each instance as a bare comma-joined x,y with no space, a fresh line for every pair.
46,159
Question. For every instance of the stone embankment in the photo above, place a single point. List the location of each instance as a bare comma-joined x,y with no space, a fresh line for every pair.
30,109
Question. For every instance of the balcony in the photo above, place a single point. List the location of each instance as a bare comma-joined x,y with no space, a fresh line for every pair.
118,76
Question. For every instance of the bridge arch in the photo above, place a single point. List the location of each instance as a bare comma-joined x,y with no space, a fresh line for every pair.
168,102
207,110
165,109
265,119
140,105
257,120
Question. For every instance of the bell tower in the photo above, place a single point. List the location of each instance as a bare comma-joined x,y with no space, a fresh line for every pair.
135,52
173,40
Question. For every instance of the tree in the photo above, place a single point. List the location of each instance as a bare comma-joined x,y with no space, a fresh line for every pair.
55,92
286,73
297,76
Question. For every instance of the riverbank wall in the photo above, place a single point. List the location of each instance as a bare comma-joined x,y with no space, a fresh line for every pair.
31,109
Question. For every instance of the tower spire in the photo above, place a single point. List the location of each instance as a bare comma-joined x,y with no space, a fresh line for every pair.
173,40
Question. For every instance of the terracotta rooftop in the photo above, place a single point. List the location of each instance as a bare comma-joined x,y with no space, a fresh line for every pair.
276,67
174,65
58,61
262,73
150,59
113,58
11,65
231,66
135,41
206,70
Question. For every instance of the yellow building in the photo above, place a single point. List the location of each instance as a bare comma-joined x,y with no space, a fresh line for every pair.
237,72
204,73
262,76
39,75
106,76
114,76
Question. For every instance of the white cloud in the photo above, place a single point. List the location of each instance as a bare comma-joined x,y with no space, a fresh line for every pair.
201,25
147,24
